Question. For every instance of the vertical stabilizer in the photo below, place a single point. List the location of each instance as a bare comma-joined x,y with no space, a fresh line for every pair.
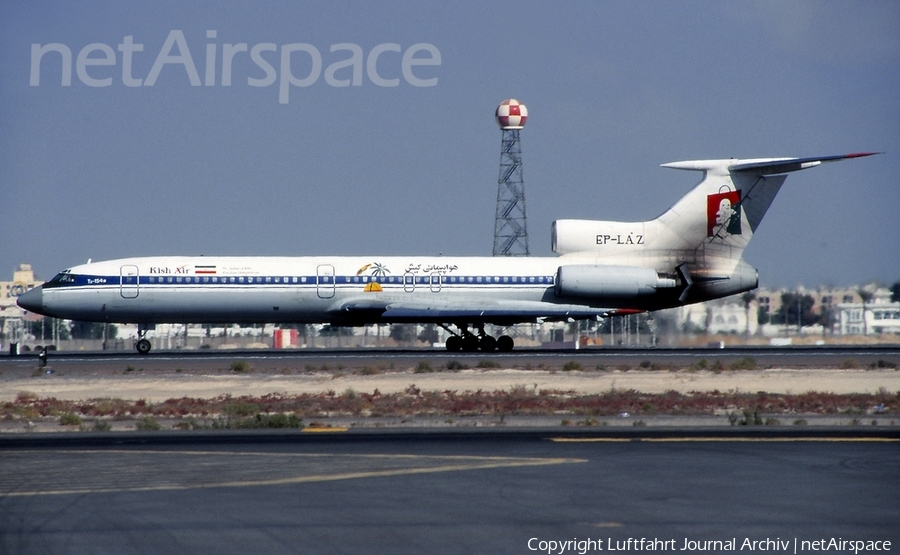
702,236
712,225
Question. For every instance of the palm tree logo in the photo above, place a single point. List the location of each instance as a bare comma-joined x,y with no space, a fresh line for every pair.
376,270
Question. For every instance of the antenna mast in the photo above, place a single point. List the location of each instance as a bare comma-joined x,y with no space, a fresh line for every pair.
510,223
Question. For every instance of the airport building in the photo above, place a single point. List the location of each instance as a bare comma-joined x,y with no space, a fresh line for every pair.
12,318
23,280
878,318
825,312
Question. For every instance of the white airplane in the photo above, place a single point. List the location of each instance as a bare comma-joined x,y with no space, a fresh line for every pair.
690,254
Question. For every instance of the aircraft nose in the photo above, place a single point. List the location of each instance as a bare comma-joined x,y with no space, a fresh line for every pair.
32,300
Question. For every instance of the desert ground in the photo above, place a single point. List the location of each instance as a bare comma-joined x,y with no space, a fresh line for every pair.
37,399
153,387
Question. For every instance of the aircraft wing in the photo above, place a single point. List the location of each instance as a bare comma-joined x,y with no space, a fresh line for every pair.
480,311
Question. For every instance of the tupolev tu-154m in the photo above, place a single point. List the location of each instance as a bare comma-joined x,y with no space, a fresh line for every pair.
689,254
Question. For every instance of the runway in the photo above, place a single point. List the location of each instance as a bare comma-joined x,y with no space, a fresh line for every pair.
486,492
272,359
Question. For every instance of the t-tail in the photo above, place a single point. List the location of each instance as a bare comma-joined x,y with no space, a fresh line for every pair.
696,246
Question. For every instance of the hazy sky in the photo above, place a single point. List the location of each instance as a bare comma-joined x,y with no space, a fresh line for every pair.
182,164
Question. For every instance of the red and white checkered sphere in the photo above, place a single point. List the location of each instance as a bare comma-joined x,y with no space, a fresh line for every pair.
511,114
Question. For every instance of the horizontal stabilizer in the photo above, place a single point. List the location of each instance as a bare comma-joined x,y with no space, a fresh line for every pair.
785,165
761,166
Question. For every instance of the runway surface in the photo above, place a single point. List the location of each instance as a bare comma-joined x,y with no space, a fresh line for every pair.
486,492
271,359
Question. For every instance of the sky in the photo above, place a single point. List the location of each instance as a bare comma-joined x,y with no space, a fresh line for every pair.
399,154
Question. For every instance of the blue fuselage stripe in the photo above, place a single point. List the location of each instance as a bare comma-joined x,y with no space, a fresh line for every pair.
304,281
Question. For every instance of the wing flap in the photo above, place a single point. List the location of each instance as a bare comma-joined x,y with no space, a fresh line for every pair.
496,312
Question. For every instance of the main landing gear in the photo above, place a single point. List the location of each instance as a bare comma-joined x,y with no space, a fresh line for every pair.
469,342
143,344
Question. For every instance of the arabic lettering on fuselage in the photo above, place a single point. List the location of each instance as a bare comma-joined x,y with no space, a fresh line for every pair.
431,268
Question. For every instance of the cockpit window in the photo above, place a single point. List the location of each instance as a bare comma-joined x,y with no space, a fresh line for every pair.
61,280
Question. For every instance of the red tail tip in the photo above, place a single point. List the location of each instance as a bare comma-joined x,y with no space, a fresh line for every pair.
860,154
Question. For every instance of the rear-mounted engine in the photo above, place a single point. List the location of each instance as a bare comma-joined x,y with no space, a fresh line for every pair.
604,281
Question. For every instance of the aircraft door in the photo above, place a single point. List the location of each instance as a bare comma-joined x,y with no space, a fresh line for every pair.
409,282
128,281
436,279
325,281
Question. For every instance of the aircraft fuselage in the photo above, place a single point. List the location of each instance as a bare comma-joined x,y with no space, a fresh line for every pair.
337,290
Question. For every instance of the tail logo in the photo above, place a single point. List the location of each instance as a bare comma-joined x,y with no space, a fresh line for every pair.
723,214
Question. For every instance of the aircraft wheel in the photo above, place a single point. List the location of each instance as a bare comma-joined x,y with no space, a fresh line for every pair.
487,343
470,343
505,343
143,346
454,343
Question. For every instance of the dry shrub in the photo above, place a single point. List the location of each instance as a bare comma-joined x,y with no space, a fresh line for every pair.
518,400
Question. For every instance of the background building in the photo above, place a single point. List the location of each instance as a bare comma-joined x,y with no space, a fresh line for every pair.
12,318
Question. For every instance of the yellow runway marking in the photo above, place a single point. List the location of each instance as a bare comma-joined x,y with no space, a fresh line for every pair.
725,439
591,440
39,473
779,439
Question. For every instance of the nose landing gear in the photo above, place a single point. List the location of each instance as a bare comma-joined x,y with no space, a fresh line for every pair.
143,344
